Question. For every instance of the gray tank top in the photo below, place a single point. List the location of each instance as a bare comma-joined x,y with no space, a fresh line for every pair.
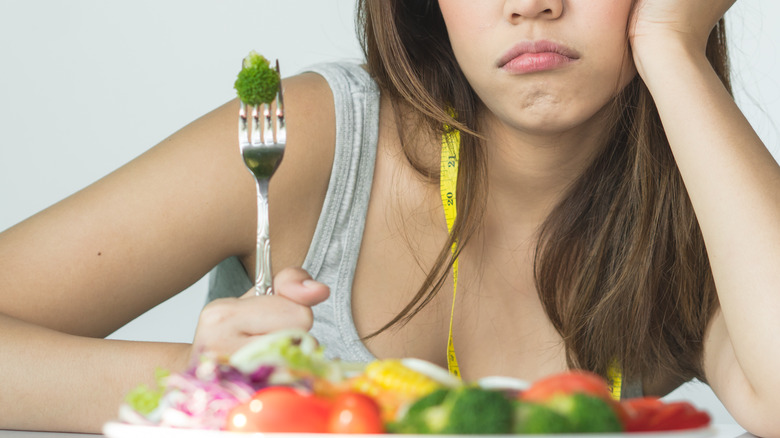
333,253
334,249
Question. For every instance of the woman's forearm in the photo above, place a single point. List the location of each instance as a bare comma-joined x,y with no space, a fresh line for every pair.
54,381
734,185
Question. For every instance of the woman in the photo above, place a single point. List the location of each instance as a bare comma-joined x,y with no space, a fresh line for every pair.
568,186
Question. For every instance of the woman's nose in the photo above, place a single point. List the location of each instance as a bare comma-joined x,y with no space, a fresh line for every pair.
516,10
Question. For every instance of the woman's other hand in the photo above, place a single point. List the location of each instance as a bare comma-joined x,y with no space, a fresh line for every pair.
658,23
227,324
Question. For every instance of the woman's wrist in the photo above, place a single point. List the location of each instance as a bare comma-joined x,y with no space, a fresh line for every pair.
659,59
181,357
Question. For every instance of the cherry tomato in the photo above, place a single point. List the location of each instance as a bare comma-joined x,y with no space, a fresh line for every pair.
353,412
568,382
280,409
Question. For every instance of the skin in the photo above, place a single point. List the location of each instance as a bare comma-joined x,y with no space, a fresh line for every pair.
542,129
89,292
733,183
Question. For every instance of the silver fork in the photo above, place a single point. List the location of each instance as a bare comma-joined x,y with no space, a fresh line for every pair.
262,152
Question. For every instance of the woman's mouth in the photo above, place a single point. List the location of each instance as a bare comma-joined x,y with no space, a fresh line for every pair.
536,56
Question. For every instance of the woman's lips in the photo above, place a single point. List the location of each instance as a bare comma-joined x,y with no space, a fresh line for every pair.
535,56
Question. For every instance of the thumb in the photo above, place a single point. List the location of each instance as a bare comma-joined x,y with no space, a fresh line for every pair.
297,285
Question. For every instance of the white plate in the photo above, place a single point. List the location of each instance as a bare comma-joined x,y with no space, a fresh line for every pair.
120,430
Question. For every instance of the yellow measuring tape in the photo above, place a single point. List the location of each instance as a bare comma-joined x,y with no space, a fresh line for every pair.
448,182
615,380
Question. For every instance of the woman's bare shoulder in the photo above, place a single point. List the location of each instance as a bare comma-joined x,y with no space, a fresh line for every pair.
151,228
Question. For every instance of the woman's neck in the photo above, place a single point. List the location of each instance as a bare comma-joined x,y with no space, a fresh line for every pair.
529,172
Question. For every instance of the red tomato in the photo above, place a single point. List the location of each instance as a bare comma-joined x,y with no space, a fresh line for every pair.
353,412
280,409
568,382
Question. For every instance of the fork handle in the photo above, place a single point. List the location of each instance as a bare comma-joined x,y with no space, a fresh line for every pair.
263,254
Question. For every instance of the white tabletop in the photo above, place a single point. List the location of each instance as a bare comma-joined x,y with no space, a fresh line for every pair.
720,431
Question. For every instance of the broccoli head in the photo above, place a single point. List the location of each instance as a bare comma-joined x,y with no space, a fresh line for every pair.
463,410
586,413
414,419
257,81
535,418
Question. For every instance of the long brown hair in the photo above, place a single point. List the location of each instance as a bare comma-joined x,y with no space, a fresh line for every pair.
620,266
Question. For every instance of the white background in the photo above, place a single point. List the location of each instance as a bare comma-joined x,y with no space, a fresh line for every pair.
87,85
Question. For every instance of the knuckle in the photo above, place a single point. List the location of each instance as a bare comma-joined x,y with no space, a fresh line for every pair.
303,317
217,312
290,274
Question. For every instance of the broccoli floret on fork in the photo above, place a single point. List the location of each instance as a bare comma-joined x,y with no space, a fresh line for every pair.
257,82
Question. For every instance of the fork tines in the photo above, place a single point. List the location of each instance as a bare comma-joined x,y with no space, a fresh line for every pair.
281,128
263,134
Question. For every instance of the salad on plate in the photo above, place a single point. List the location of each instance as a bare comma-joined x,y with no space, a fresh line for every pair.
283,383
